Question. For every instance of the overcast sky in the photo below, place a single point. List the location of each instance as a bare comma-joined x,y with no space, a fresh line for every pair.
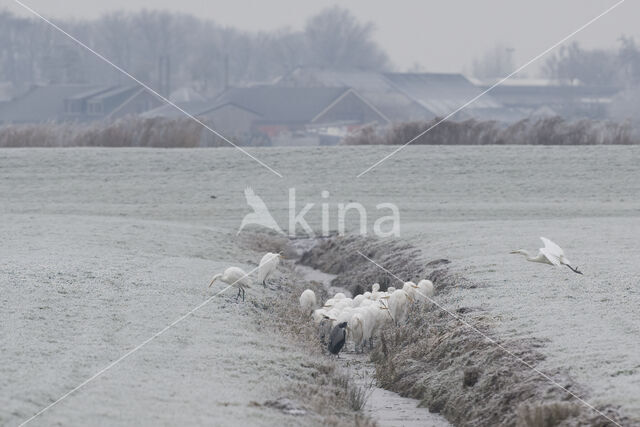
441,35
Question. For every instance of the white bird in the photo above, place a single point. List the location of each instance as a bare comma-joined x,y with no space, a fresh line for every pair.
551,254
424,289
235,277
355,330
268,265
308,300
410,289
399,305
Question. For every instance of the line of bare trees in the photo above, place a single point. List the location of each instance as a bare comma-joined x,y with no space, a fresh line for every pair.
571,63
31,51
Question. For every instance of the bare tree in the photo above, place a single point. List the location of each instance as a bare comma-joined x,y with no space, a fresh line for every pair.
591,67
337,40
32,52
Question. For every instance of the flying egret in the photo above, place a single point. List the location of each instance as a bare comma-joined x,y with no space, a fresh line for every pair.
551,254
268,265
235,277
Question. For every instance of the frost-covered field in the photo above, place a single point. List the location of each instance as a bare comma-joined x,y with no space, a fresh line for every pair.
80,291
101,248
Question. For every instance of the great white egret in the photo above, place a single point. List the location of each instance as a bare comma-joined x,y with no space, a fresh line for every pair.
399,305
268,265
551,254
235,277
308,300
424,289
355,327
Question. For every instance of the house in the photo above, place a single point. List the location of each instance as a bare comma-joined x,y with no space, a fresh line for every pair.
282,113
442,94
371,86
406,96
276,108
121,101
531,96
76,102
44,103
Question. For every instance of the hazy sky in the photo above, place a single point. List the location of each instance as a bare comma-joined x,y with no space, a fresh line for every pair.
441,35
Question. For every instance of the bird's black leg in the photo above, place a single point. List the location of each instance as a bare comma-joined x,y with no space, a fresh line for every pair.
242,294
575,270
238,296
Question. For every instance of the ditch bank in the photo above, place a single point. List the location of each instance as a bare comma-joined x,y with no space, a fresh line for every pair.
448,357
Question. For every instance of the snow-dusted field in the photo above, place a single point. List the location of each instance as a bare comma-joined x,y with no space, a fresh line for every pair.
101,248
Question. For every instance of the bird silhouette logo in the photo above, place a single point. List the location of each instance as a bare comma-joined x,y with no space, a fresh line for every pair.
260,215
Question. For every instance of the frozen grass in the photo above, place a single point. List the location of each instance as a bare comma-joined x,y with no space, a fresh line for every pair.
545,131
448,366
334,395
129,131
333,392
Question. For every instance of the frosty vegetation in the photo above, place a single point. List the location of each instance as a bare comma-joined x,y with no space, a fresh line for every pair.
130,131
545,131
134,131
452,369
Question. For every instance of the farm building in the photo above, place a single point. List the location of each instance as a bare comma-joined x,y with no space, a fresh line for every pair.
296,114
405,96
535,96
76,102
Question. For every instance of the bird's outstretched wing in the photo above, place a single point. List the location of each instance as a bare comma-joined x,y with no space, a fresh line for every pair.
553,258
552,248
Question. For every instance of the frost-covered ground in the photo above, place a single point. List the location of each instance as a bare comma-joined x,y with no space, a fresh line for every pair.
591,322
80,291
103,247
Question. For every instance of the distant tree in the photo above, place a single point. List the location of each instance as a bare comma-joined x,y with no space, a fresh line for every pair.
336,39
591,67
629,60
33,52
495,63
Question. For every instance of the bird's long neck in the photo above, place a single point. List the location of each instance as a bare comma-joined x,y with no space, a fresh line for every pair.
525,253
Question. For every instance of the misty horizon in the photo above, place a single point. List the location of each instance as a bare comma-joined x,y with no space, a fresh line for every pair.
417,36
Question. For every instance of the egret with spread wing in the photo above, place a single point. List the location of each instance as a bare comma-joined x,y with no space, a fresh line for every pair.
551,254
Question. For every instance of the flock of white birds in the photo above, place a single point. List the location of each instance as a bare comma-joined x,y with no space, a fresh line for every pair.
367,314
